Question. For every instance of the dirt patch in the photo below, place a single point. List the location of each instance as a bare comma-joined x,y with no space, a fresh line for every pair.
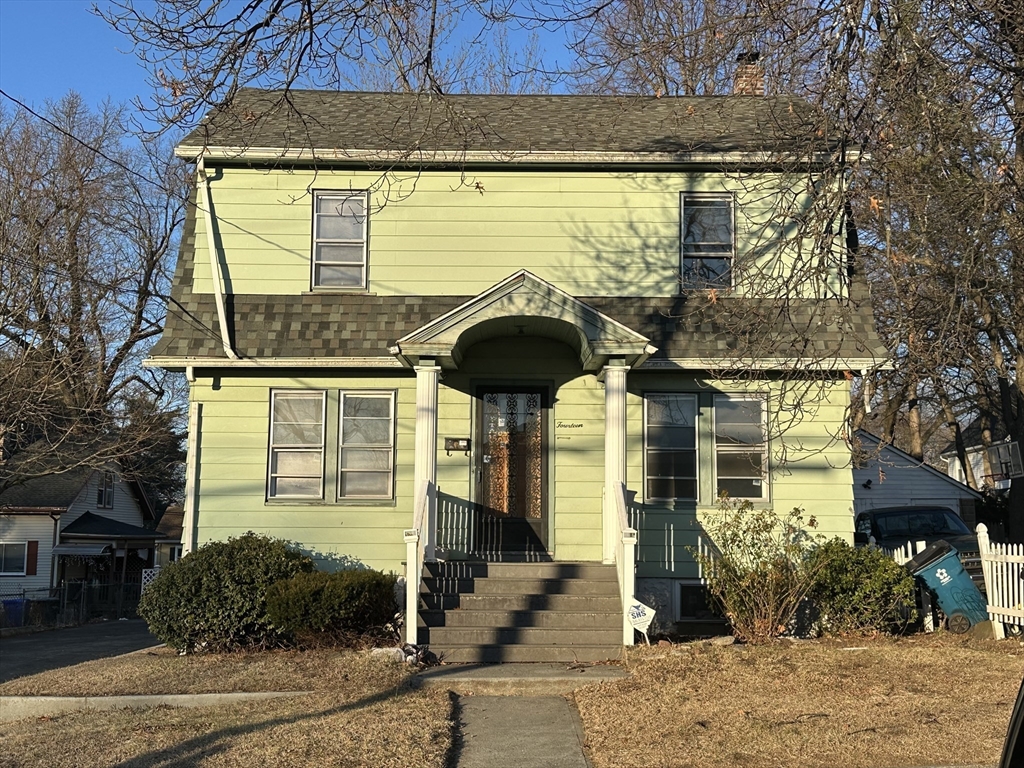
919,701
362,714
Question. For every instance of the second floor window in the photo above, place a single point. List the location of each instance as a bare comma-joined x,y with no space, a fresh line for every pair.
339,240
105,491
708,241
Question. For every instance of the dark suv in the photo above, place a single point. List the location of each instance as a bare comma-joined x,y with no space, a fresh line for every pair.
894,527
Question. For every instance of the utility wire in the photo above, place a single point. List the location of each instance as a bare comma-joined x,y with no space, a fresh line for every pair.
84,143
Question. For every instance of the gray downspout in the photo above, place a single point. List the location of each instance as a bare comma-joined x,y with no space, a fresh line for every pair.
215,270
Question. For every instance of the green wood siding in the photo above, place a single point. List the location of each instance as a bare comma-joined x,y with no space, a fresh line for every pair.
233,444
590,233
809,464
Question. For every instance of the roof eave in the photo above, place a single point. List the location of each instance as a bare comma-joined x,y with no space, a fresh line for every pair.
514,157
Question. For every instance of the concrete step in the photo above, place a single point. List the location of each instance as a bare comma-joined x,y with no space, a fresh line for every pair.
507,586
497,654
545,619
451,636
516,679
469,569
521,602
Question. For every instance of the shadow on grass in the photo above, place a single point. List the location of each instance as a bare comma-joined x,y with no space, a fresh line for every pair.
192,752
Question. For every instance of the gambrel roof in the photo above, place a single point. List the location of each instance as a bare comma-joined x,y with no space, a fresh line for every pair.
694,331
419,126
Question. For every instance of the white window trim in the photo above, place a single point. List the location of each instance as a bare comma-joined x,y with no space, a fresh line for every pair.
731,198
271,447
377,393
696,447
765,484
317,240
104,486
24,559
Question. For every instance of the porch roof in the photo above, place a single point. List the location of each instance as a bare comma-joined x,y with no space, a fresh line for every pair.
523,304
93,526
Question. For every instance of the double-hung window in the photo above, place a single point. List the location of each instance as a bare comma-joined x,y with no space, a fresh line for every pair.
339,239
670,446
331,446
366,445
13,558
708,242
105,491
296,445
740,447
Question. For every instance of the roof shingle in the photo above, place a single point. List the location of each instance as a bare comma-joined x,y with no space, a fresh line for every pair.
417,125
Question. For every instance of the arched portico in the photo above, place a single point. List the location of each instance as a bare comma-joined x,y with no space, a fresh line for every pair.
524,305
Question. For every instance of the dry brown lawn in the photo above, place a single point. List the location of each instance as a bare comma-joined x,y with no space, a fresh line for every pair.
924,700
362,713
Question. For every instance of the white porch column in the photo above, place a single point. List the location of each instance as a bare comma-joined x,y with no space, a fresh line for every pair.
614,451
425,467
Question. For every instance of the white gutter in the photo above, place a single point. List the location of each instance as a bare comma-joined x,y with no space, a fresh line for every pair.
769,364
448,157
215,271
182,363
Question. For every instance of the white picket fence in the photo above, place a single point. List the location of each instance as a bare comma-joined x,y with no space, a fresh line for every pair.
902,555
1003,565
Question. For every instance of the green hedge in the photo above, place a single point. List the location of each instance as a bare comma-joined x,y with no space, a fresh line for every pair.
215,599
328,608
861,590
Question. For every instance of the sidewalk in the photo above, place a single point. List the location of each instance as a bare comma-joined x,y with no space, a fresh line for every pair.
515,715
518,732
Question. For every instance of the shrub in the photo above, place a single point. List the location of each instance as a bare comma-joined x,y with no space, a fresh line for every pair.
327,608
861,589
215,599
759,569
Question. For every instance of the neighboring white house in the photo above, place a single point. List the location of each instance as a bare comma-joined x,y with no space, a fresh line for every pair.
889,477
75,525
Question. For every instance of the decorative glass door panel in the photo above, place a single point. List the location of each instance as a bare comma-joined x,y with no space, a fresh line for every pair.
510,470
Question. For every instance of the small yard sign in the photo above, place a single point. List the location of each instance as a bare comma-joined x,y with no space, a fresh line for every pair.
641,616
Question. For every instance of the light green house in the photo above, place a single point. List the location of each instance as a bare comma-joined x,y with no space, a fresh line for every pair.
516,345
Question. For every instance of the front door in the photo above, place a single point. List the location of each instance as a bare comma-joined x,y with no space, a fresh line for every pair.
511,458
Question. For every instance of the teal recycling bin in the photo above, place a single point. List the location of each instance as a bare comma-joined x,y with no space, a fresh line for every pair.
938,566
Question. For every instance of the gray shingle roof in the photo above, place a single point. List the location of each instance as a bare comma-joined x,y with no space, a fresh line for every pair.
96,526
348,325
55,491
409,123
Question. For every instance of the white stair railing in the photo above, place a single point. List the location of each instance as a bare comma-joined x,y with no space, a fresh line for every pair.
625,562
415,541
1003,566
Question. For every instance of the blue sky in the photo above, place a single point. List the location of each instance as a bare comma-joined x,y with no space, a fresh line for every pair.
48,47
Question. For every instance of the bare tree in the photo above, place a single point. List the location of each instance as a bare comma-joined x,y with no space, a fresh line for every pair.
87,224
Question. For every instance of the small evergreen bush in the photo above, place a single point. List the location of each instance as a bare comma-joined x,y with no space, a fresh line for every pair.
329,608
861,590
759,569
215,599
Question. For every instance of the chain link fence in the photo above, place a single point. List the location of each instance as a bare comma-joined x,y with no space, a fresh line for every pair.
69,604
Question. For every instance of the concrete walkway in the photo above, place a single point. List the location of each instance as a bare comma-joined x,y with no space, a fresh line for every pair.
515,715
519,732
23,655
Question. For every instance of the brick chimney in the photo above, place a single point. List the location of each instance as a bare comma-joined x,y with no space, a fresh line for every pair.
749,77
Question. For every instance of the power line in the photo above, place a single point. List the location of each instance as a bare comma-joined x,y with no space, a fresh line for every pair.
84,143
